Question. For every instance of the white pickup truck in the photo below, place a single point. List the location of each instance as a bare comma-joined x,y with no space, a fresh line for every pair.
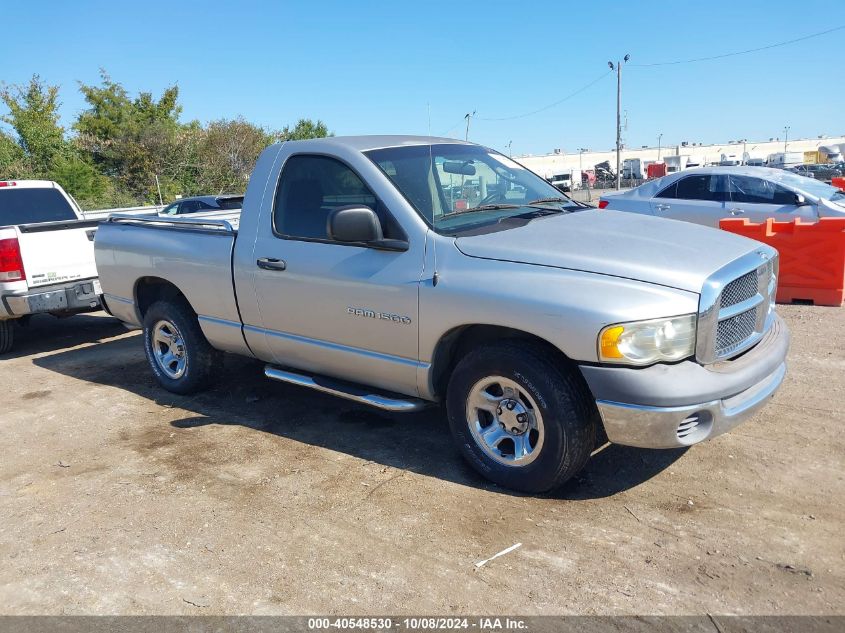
46,255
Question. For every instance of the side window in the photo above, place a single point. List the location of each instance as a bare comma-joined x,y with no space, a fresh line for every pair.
758,191
669,192
701,187
172,209
191,206
310,188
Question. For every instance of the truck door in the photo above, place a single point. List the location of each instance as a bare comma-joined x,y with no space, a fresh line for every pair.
698,198
758,199
328,307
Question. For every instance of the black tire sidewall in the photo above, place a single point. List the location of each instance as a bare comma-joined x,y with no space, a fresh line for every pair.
195,345
565,425
7,335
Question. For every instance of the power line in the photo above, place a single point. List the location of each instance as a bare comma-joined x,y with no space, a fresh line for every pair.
551,105
745,52
454,127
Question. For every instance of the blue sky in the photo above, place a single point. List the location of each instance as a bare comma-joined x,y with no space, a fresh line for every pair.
368,67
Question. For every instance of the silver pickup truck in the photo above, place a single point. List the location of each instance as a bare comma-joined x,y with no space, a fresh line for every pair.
400,271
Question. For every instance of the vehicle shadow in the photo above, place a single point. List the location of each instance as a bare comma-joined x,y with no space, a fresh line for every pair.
46,333
419,442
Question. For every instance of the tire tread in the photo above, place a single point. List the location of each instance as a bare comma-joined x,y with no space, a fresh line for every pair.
7,335
578,412
203,360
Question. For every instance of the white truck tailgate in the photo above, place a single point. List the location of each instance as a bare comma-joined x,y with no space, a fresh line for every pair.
58,254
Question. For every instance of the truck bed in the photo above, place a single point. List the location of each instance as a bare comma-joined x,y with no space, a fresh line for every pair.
192,253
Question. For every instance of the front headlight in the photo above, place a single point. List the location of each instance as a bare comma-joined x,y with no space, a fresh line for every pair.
647,342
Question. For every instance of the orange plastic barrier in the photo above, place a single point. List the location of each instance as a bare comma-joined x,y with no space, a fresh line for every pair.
838,182
812,256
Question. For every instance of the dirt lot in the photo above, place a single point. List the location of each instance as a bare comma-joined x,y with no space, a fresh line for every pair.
117,497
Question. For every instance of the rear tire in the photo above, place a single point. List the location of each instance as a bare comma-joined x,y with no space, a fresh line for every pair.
521,418
7,335
181,358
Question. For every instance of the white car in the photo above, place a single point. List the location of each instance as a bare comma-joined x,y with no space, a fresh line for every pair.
708,194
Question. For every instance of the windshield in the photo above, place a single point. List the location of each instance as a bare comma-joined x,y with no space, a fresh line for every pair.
814,187
457,187
29,205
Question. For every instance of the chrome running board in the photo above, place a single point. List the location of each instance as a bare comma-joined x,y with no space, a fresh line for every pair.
356,393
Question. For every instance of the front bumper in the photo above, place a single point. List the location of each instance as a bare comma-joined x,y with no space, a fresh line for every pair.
72,297
667,406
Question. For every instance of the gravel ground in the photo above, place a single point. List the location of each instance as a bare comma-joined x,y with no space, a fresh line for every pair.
119,498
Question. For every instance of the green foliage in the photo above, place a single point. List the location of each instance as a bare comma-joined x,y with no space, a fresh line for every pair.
12,164
33,115
229,149
78,178
304,129
122,144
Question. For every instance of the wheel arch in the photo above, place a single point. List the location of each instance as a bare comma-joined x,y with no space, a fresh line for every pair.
458,341
150,289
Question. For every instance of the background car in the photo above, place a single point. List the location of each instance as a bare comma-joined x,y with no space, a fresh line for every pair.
194,204
818,172
708,194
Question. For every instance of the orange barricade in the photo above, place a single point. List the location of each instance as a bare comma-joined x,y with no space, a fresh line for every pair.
812,256
839,183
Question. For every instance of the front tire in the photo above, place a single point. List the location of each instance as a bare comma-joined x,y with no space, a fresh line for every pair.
7,335
521,418
181,358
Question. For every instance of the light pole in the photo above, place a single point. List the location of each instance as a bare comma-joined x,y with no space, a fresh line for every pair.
743,161
581,151
618,69
785,140
659,138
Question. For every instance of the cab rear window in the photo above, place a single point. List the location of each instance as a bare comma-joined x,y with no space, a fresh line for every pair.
29,205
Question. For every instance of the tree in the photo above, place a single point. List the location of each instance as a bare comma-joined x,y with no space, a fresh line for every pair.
79,178
123,145
227,153
12,160
132,140
304,129
34,116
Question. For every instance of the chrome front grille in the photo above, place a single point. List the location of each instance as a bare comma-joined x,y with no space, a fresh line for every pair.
734,331
736,305
740,290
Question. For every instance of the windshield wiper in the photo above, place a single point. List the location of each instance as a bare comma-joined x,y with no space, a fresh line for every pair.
483,207
562,200
542,200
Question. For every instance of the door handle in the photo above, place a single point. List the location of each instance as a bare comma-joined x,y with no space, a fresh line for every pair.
662,207
271,263
736,211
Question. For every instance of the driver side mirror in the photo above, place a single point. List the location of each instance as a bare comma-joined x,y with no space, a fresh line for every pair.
360,224
800,200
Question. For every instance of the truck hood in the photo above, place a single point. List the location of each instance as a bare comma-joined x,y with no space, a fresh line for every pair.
654,250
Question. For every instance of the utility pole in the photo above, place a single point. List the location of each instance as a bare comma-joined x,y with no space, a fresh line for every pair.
618,69
785,139
510,153
659,139
158,186
468,117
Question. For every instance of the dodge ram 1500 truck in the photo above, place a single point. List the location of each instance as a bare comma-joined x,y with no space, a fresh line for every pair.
46,255
399,271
